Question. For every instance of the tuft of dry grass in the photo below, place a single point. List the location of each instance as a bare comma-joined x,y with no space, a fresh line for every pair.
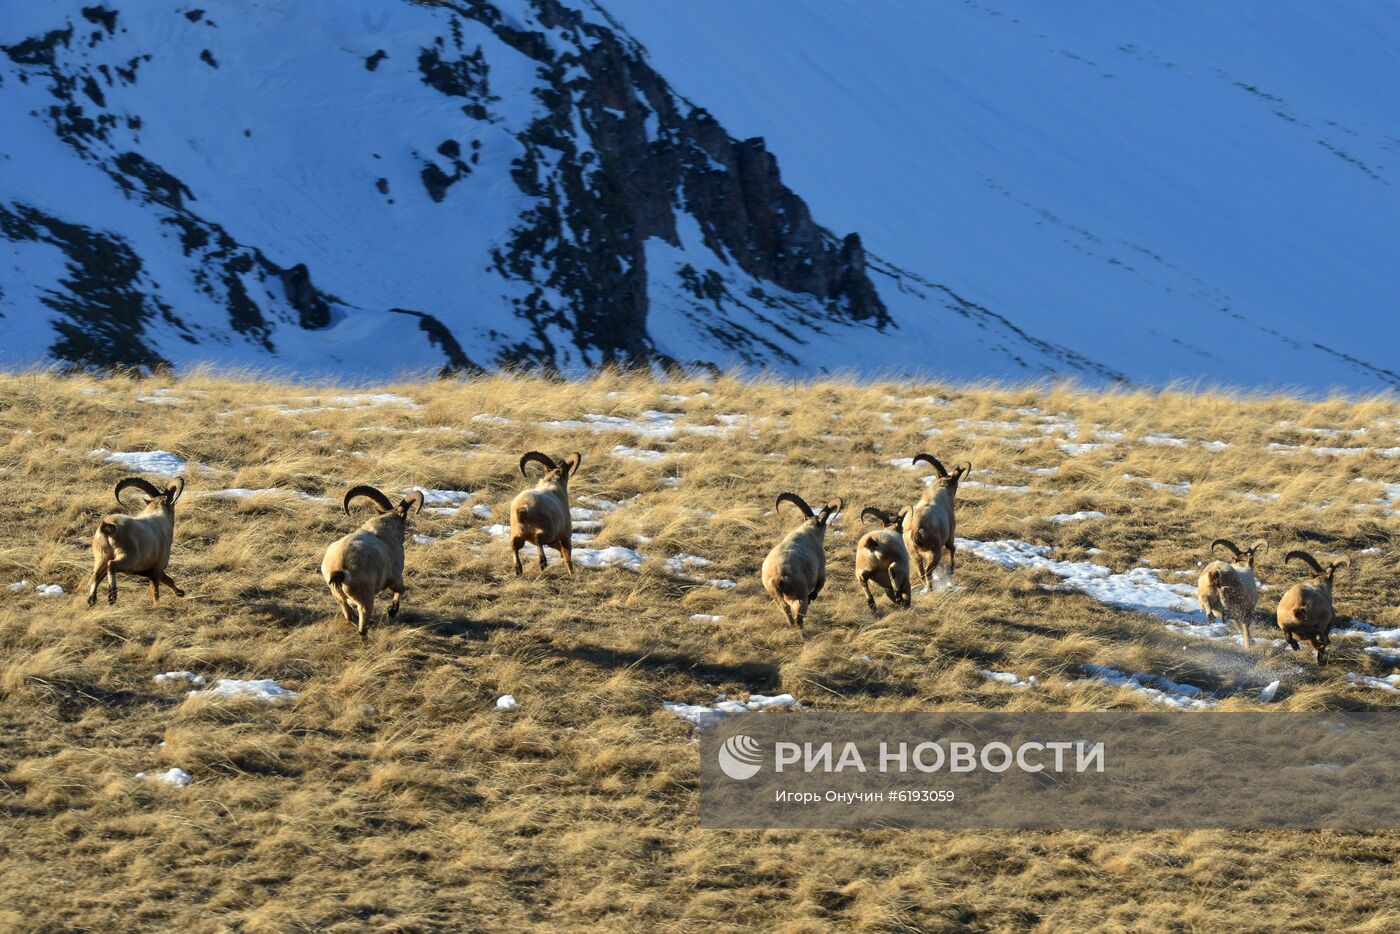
391,794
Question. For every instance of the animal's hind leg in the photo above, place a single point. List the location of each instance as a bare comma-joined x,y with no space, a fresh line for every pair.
169,581
787,610
567,550
801,613
363,609
923,570
891,592
1319,648
398,592
865,582
515,545
539,543
99,572
344,605
155,588
111,584
952,559
1244,624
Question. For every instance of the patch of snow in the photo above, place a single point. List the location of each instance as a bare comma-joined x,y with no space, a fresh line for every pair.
17,586
189,676
264,689
1154,687
649,424
1139,589
364,400
242,493
1368,632
1165,440
49,590
174,776
1268,692
613,557
644,455
1389,683
1075,516
444,497
1007,678
706,618
507,702
161,463
1316,768
1180,489
706,716
994,487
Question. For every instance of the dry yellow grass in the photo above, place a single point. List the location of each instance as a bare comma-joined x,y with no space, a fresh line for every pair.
392,795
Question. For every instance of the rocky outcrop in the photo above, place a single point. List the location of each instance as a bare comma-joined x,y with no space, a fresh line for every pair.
646,155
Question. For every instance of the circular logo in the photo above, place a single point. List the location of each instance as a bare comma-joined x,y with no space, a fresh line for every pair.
740,757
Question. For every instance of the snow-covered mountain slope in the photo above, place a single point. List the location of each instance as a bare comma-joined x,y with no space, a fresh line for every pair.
1197,190
367,186
359,186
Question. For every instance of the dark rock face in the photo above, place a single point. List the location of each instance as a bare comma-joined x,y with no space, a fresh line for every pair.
442,338
624,191
105,305
314,310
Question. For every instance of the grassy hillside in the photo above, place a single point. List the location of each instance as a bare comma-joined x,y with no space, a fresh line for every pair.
391,794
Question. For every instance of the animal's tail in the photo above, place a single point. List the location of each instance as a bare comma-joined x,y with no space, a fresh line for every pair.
921,539
1300,613
336,580
870,544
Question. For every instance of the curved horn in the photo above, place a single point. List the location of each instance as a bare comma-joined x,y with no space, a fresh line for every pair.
964,469
1342,562
368,492
413,499
175,490
539,458
831,509
884,517
933,462
145,486
1234,549
573,461
797,501
1306,558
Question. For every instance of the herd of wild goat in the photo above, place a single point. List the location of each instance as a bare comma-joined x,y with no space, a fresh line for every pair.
370,560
